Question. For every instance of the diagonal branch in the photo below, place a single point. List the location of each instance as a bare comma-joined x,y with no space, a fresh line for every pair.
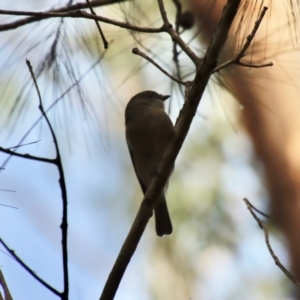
142,54
182,126
178,6
30,271
27,156
105,43
263,226
242,52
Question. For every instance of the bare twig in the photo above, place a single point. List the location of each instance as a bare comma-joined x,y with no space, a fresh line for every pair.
82,15
64,224
175,50
178,14
241,54
27,156
76,6
181,129
263,226
232,61
178,6
252,34
30,271
18,146
270,64
257,210
105,43
68,90
142,54
175,36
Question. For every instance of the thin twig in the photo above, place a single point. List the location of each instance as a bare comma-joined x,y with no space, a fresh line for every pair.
232,61
178,14
241,54
270,64
76,6
30,271
68,90
105,43
178,6
142,54
258,211
18,146
252,34
64,224
175,50
82,15
263,226
28,156
175,36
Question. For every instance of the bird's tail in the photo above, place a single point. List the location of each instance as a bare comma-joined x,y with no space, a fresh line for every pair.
163,222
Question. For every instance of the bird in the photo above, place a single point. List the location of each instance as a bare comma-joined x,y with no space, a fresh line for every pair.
148,131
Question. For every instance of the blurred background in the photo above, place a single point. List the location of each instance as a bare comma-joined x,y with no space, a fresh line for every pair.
244,142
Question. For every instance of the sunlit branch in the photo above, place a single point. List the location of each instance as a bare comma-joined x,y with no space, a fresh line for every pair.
246,45
175,36
263,226
142,54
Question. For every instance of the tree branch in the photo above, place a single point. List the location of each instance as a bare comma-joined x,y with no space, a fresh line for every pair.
105,43
58,162
30,271
28,156
142,54
263,226
246,45
165,167
175,36
77,6
81,15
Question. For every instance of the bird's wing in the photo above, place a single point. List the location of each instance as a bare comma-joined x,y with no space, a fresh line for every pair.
143,187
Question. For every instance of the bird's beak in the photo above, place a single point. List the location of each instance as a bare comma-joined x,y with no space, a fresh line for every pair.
165,97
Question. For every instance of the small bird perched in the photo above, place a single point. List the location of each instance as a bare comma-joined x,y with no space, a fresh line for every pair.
148,131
